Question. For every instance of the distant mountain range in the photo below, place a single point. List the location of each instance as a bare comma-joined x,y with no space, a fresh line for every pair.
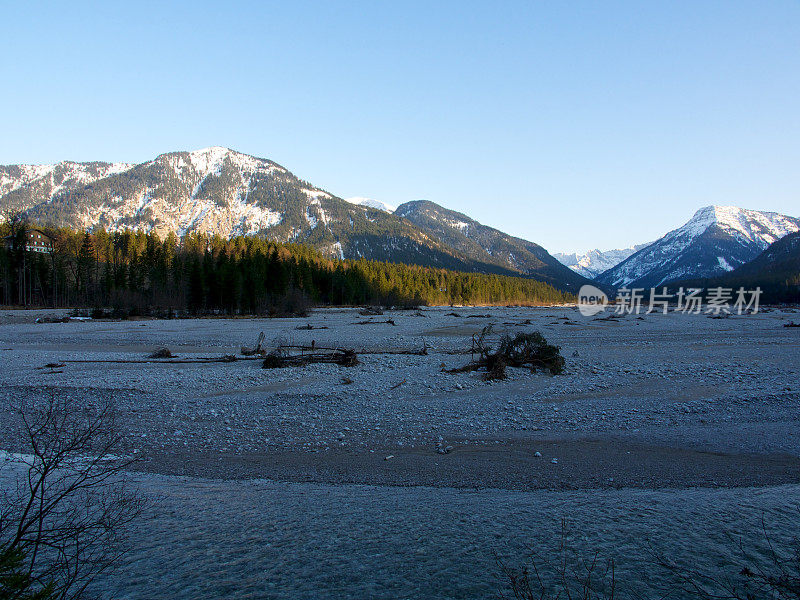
716,240
219,191
593,263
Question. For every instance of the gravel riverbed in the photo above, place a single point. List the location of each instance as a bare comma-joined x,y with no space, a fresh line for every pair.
683,404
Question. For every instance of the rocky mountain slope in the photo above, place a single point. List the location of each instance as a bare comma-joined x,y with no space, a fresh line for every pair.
776,271
487,245
716,240
219,191
779,261
24,186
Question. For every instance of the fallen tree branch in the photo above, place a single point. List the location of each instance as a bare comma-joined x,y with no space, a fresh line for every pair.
51,366
371,322
529,350
280,358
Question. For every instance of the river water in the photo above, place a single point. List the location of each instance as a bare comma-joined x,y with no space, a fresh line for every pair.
264,539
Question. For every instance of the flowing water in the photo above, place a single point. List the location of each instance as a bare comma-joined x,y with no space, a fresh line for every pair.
264,539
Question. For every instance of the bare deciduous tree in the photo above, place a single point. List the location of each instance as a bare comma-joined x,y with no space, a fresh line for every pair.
65,502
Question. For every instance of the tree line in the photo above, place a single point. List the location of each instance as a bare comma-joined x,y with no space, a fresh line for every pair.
133,272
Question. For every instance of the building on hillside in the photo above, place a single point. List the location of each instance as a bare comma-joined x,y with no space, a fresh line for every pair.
36,241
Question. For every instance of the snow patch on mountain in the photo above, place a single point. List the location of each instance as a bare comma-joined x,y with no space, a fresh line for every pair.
460,225
315,214
209,160
371,203
56,177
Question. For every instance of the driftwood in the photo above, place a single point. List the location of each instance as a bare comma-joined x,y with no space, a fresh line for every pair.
257,350
282,357
52,368
309,327
371,311
371,322
529,350
792,324
52,320
453,314
479,316
394,387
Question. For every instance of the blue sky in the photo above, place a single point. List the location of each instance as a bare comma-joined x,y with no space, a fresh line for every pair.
575,125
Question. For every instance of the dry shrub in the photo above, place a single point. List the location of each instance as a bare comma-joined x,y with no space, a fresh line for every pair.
162,353
529,350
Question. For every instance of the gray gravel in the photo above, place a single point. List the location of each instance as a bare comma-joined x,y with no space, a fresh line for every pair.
669,387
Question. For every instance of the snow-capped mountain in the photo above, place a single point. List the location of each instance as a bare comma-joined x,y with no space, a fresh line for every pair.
487,245
594,262
717,239
23,186
216,191
371,203
219,191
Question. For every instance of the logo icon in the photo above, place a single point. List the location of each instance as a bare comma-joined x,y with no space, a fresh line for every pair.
591,300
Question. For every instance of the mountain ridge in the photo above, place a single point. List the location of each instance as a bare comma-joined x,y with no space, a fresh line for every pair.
487,244
219,191
716,240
